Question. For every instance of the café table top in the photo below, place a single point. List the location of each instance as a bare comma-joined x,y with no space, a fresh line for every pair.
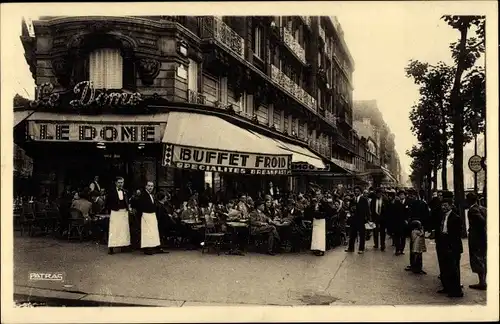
236,224
191,221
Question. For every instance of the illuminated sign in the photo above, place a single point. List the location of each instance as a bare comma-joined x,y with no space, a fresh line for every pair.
185,157
83,132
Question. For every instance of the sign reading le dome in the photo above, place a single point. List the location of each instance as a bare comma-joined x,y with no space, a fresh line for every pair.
475,163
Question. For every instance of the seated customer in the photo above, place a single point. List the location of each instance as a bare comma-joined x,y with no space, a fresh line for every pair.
262,224
98,202
83,204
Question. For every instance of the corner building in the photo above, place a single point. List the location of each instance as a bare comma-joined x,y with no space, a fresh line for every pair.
233,101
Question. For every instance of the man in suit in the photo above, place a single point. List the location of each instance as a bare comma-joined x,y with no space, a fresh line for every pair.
378,212
146,210
361,215
260,223
477,240
118,204
449,248
272,191
399,222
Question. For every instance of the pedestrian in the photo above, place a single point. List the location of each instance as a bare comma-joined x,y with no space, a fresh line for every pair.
449,247
400,222
417,247
360,215
477,240
378,213
119,230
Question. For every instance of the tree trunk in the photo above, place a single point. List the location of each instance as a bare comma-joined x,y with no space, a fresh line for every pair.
458,135
444,172
435,177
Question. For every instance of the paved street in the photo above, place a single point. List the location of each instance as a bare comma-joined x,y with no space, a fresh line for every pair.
188,278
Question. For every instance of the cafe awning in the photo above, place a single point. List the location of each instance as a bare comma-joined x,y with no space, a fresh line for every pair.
19,116
210,143
302,154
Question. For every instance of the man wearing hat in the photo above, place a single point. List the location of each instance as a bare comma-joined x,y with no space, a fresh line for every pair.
449,248
477,240
262,224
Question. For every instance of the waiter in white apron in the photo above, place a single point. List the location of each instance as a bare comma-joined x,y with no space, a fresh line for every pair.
146,209
119,230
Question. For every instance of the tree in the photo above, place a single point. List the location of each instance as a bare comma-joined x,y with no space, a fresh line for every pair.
431,117
421,165
465,53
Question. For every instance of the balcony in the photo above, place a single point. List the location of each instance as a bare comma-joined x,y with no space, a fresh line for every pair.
329,52
344,164
307,21
214,28
292,88
293,45
330,118
321,148
345,143
322,34
196,97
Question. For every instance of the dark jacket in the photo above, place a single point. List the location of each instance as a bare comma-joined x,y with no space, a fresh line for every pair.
419,210
452,241
361,212
477,219
144,203
399,217
383,211
113,203
313,213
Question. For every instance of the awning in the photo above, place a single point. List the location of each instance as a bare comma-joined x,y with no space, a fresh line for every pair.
47,126
210,143
19,116
302,154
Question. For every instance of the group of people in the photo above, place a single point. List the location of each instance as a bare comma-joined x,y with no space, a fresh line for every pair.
316,219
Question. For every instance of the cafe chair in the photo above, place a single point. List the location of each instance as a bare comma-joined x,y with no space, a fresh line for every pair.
76,223
214,237
27,219
41,217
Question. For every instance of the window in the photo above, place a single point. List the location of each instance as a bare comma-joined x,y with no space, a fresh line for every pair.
193,76
106,68
238,105
211,88
258,43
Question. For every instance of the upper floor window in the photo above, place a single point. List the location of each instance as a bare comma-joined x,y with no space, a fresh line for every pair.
258,42
106,68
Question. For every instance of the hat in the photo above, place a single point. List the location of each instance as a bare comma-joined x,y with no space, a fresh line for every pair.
447,195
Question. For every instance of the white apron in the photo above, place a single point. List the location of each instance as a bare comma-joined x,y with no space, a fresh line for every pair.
119,230
150,237
318,241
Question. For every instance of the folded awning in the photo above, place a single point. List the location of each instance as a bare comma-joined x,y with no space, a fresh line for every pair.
47,126
302,155
210,143
19,116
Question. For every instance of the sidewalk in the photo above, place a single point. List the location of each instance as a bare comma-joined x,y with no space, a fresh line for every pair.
188,278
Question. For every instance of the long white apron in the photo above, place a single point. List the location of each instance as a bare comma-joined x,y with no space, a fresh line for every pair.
119,230
150,236
318,241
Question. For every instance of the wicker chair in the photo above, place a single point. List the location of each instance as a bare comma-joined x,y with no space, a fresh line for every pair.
214,237
76,222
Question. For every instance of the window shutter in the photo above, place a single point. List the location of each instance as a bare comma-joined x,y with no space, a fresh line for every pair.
193,76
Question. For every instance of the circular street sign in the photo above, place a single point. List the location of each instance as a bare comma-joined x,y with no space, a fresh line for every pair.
475,163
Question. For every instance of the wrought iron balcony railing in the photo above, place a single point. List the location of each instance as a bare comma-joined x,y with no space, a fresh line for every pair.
344,164
196,97
307,20
320,147
292,88
322,34
212,27
330,118
293,45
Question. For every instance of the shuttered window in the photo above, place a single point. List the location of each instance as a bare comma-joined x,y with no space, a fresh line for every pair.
294,125
262,114
193,76
286,124
277,119
302,130
238,105
211,87
106,68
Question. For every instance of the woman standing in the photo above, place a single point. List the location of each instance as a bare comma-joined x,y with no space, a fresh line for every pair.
317,213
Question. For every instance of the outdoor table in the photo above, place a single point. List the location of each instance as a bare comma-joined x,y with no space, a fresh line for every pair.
239,236
191,222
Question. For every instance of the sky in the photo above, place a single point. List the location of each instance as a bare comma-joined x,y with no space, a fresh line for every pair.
381,43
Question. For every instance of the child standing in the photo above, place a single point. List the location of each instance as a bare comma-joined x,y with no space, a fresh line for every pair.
417,247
